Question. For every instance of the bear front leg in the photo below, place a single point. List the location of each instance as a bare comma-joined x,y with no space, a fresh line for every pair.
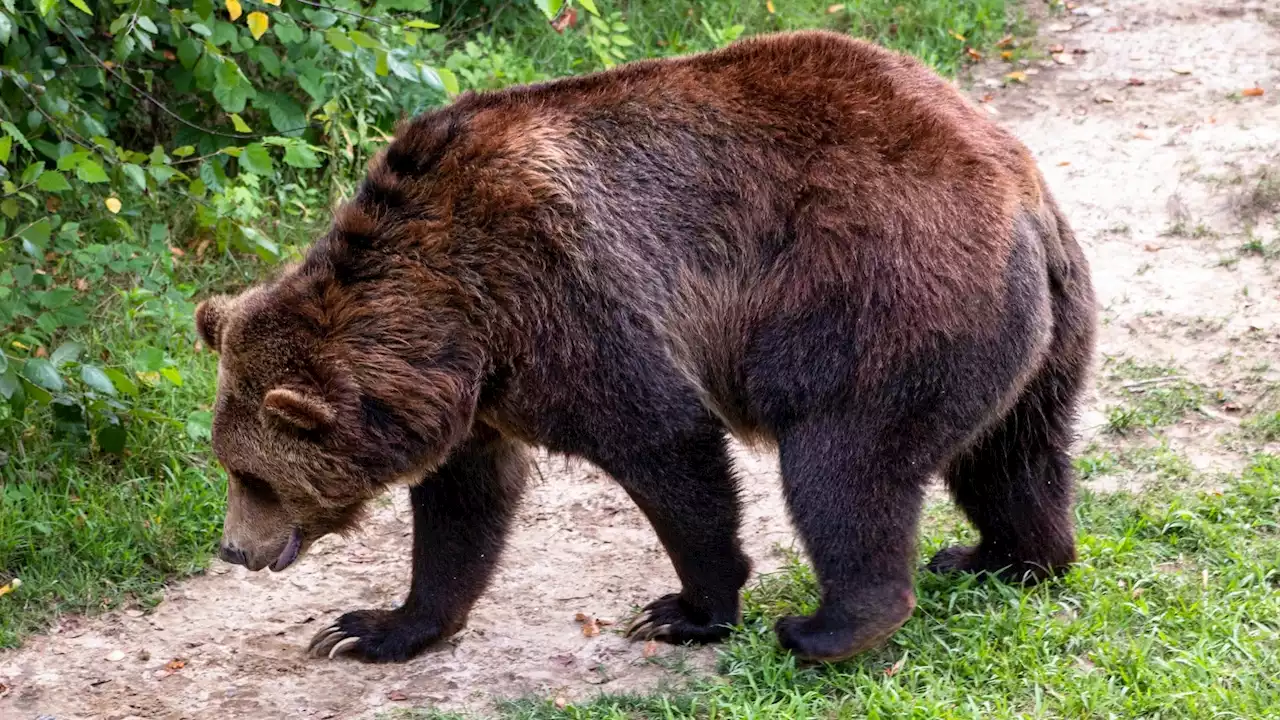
461,517
687,491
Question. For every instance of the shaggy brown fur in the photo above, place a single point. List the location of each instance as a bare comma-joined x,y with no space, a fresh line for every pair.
802,238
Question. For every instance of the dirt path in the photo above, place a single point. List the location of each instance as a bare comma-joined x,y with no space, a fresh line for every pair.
1158,179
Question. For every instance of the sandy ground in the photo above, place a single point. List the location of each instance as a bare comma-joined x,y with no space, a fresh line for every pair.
1144,136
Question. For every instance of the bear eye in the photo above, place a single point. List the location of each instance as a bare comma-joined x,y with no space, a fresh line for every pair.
256,486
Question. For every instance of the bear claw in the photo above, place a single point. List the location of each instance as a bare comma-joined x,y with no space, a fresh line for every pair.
378,636
669,619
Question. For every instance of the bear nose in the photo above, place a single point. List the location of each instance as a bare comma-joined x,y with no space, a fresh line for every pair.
232,555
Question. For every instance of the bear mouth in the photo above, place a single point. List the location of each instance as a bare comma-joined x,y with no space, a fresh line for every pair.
290,552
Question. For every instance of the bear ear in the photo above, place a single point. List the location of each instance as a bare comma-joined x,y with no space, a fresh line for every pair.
211,316
301,409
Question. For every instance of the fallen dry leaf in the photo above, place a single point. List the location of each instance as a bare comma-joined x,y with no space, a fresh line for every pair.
1005,41
895,668
168,55
397,696
1182,69
175,664
650,649
10,586
1079,51
1063,59
1103,99
974,54
52,203
1017,76
177,251
566,19
1006,55
82,285
1057,48
4,690
987,98
590,628
957,36
833,9
561,702
1136,81
1064,163
1252,92
1152,248
41,352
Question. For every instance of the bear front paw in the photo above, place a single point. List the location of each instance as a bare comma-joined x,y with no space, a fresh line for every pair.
671,619
378,636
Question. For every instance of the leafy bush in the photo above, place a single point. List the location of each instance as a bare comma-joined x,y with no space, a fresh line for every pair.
141,133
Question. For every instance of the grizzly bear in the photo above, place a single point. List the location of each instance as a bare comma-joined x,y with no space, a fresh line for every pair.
800,239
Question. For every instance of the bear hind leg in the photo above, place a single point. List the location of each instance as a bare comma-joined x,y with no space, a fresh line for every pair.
1015,484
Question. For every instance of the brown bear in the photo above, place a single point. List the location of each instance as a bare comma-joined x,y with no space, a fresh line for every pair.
800,239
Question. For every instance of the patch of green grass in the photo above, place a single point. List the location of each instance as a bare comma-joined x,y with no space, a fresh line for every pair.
940,32
87,530
1172,612
1152,396
1264,427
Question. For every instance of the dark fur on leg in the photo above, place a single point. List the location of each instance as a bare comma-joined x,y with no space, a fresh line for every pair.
461,517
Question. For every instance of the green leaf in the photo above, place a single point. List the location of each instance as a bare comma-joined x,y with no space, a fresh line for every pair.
42,373
285,113
32,172
172,375
150,360
145,23
4,362
589,6
550,8
257,160
300,155
53,182
189,52
231,88
184,151
381,67
135,174
65,353
121,381
288,32
203,8
112,437
79,4
94,377
72,160
339,41
421,25
448,80
37,233
16,134
239,124
364,40
91,172
10,386
6,143
200,425
622,41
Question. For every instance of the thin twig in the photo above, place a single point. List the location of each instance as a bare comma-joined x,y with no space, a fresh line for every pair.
164,108
1152,381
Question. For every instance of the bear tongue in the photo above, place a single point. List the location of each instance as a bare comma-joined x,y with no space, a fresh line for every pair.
290,551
